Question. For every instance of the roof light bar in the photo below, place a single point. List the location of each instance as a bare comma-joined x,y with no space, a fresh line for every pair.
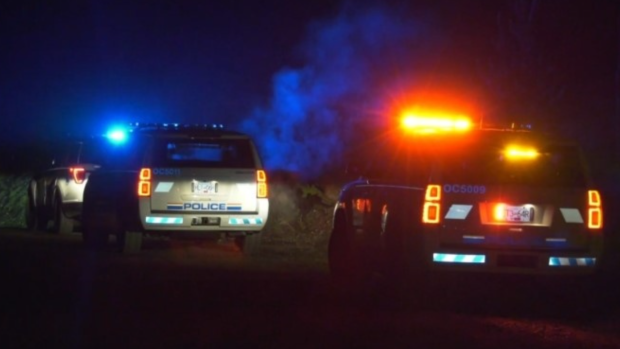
151,126
434,124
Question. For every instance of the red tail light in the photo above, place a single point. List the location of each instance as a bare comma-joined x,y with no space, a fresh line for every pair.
261,184
144,185
78,174
432,204
595,210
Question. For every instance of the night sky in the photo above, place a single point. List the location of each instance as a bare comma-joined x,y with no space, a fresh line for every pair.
302,76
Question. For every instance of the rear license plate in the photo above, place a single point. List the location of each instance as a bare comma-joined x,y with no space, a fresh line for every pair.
519,214
204,187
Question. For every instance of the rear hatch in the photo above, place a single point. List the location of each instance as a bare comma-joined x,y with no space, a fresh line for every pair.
207,175
206,190
515,217
534,199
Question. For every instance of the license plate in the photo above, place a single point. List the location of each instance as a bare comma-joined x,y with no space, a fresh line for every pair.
519,214
204,187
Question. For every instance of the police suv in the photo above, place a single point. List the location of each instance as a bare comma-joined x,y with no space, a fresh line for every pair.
440,194
177,180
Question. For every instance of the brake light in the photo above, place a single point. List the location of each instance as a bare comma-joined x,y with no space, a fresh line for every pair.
595,210
144,184
261,184
78,174
432,205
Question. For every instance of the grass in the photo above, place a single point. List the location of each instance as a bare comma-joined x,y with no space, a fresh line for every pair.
13,199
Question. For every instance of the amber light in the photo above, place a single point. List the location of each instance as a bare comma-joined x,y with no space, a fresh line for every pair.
431,213
261,184
433,192
144,185
432,206
595,210
518,153
78,174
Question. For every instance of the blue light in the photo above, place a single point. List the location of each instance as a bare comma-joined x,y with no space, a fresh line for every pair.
117,136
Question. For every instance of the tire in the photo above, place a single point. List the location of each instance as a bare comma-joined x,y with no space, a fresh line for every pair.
61,224
132,241
249,244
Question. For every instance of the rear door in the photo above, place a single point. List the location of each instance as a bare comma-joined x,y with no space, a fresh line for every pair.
209,175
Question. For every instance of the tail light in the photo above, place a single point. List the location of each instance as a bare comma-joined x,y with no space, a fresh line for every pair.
595,210
432,204
261,184
144,185
78,174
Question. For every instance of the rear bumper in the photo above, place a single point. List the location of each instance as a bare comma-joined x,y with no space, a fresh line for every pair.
196,223
513,262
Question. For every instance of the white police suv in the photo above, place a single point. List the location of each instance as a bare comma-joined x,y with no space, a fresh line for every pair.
198,181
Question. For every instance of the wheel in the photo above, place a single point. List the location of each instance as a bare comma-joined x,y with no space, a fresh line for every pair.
132,241
343,261
249,244
61,224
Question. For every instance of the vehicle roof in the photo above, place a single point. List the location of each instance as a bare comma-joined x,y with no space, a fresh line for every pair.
187,131
492,137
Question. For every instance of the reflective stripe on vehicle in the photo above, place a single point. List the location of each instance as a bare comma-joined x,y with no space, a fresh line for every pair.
571,215
571,262
245,221
459,258
164,187
458,211
164,220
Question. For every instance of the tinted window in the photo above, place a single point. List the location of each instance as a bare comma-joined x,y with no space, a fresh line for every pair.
216,153
555,166
101,152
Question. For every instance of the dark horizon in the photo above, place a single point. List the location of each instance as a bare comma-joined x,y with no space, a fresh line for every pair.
276,68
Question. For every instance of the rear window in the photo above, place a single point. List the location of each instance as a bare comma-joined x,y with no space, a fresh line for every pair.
218,153
555,166
101,152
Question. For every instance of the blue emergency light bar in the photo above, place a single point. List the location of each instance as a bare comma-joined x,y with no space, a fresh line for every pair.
149,126
120,135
